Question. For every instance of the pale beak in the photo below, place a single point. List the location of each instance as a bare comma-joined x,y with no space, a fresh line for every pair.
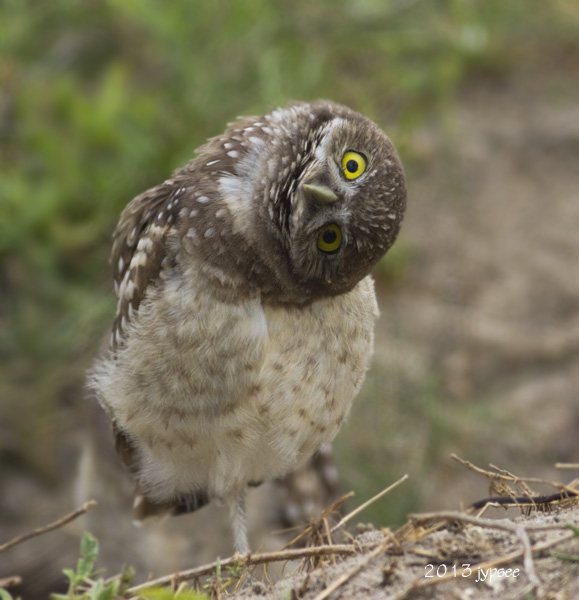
321,194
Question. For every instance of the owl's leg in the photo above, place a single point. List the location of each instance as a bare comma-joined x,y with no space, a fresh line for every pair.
238,523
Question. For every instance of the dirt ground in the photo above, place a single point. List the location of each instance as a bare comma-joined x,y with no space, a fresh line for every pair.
489,301
458,561
503,288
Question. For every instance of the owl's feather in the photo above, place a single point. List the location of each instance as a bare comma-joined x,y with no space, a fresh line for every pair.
139,250
240,340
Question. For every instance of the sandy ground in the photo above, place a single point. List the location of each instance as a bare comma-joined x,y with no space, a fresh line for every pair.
454,560
492,301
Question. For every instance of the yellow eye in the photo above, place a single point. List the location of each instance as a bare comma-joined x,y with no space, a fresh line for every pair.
330,239
353,164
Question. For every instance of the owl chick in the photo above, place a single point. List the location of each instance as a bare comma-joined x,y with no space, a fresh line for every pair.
246,310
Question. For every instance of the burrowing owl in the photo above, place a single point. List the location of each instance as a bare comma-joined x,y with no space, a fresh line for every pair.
245,312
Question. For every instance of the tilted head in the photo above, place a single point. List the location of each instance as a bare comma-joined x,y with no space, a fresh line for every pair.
301,202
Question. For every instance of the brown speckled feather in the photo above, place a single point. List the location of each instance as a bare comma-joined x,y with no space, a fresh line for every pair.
139,250
138,255
245,309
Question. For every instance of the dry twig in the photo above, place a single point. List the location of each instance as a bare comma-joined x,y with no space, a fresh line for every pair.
528,559
7,582
51,527
486,523
499,480
506,476
354,571
368,502
327,512
250,559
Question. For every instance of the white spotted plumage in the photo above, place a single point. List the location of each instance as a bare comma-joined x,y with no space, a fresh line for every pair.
239,341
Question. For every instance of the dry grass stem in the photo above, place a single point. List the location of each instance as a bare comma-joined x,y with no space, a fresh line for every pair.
250,559
368,502
506,476
522,494
528,562
7,582
449,516
354,571
487,505
329,538
327,512
50,527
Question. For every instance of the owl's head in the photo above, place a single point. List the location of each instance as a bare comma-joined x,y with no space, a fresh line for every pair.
315,196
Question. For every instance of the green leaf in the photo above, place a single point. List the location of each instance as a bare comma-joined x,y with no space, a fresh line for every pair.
163,593
71,575
89,548
97,589
563,556
105,593
125,578
573,528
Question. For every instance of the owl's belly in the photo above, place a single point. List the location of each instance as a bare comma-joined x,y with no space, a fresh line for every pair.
246,393
314,368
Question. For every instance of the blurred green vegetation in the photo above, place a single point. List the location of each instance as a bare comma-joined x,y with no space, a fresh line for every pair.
100,99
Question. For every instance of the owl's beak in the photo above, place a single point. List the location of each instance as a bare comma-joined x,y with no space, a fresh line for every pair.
321,194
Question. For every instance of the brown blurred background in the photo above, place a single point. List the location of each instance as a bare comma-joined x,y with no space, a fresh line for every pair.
478,345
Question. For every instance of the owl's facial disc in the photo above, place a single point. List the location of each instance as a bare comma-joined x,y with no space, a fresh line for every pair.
345,209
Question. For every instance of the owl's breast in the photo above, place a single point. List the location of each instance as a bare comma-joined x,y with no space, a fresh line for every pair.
188,361
314,366
216,394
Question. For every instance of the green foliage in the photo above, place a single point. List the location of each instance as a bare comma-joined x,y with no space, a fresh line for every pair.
82,582
218,584
574,529
163,593
235,571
